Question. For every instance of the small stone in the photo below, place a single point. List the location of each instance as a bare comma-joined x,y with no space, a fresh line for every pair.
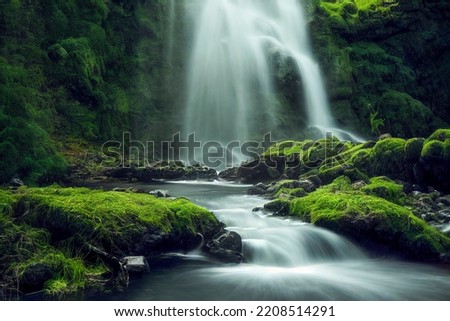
307,185
136,264
16,182
160,193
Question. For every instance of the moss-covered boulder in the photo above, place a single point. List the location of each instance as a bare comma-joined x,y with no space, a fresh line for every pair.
370,220
57,238
434,164
405,116
118,222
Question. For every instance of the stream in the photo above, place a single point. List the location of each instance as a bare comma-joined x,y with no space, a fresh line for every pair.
285,260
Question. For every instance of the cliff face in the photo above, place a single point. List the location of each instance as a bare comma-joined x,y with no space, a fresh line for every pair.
75,71
386,59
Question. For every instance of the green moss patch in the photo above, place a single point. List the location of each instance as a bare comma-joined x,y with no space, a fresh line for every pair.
48,231
369,219
113,220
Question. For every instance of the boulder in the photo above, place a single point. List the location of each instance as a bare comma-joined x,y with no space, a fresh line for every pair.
160,193
225,246
258,189
16,182
136,264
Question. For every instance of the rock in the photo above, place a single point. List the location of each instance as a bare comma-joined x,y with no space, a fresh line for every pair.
226,246
359,184
160,193
258,189
16,182
384,136
307,185
279,207
136,264
257,209
444,200
229,174
34,277
315,180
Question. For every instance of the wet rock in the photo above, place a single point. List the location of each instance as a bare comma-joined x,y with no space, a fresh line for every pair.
278,207
34,277
160,193
445,200
225,246
16,182
258,189
229,174
307,185
136,264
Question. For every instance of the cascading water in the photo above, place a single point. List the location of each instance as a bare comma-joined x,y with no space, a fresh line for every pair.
230,77
284,260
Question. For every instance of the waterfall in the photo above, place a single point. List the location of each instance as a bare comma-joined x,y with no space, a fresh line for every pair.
230,75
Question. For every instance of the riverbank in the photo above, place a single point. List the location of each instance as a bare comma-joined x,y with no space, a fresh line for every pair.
65,240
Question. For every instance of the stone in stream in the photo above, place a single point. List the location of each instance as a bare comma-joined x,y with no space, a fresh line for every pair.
226,246
160,193
136,264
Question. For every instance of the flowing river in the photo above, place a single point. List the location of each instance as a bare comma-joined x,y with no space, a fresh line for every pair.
285,260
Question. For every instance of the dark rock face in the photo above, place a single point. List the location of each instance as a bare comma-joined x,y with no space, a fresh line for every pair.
34,277
225,246
162,171
385,48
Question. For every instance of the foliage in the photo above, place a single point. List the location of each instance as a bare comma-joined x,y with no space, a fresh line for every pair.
68,69
375,123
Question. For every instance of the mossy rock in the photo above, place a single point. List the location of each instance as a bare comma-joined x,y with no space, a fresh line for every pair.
405,116
434,165
46,233
387,189
119,222
433,151
413,149
371,221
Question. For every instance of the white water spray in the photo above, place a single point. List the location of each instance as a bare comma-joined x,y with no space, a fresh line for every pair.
230,72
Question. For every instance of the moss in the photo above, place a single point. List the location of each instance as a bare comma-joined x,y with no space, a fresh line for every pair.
356,175
433,150
387,157
413,149
405,116
279,206
440,135
113,220
327,175
60,221
370,219
385,188
294,192
285,148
